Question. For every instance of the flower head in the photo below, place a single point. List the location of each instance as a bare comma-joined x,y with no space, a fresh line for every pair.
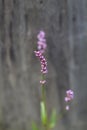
69,97
41,46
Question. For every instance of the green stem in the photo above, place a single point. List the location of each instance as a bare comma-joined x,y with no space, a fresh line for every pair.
44,101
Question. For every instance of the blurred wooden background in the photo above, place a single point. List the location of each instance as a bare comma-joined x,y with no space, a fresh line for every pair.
65,24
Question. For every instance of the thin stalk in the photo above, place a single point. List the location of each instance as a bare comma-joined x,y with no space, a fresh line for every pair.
44,101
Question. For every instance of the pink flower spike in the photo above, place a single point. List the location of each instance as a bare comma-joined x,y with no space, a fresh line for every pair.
41,49
69,97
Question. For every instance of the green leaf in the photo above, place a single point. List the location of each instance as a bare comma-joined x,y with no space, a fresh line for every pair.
53,118
34,126
43,113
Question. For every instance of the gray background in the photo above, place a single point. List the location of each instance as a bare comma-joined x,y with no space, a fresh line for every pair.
65,24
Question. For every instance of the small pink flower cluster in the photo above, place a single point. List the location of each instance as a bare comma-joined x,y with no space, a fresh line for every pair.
42,61
39,53
69,97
